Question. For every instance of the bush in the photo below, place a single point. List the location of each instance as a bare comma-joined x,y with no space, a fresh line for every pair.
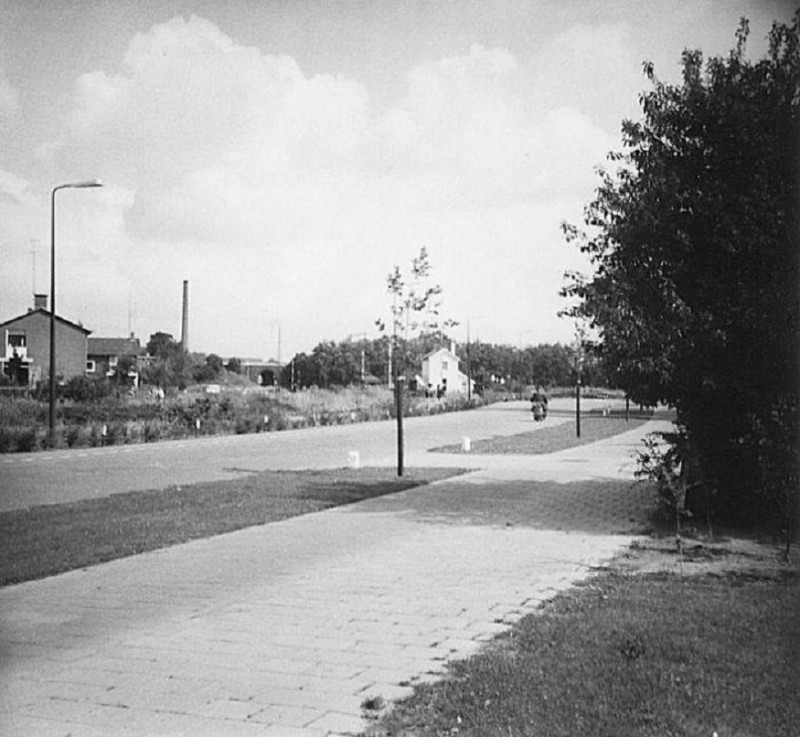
27,440
152,432
86,389
7,444
144,417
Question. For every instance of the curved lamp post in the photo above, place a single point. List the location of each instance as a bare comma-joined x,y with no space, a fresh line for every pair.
72,185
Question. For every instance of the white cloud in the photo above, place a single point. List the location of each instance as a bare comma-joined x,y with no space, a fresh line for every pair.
272,190
591,68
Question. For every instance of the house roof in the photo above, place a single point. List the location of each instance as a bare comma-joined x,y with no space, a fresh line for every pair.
46,313
114,347
440,350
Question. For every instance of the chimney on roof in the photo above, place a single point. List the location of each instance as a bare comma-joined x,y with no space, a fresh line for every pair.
39,301
185,318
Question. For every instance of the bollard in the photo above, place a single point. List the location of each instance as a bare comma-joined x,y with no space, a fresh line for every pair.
466,444
353,459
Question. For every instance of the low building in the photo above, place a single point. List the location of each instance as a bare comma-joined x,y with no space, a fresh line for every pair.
25,346
440,374
104,354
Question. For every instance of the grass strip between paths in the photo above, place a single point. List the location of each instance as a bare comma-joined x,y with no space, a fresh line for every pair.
49,539
636,655
552,438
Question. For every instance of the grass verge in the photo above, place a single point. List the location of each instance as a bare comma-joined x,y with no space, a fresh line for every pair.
635,654
551,438
46,540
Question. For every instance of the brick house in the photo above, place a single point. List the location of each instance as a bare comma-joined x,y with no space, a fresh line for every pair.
25,346
103,355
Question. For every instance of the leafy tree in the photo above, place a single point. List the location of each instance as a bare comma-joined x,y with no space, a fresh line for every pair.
693,240
214,363
161,345
415,307
234,365
169,365
205,368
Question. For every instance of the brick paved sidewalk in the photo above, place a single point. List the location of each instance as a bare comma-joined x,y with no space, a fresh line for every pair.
286,629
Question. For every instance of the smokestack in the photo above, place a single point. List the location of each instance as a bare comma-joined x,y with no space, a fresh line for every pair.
185,318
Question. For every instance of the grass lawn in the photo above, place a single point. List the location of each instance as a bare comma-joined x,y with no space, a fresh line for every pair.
639,655
49,539
549,438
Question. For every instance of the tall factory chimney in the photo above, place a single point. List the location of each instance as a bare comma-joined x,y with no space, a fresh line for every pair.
185,318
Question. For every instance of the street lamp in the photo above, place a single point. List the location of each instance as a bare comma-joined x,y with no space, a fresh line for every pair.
72,185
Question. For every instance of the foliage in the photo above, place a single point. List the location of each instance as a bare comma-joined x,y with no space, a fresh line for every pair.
161,345
144,417
694,245
86,389
492,366
126,366
207,370
169,365
415,308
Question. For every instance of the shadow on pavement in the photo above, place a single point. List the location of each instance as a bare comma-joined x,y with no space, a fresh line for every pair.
604,506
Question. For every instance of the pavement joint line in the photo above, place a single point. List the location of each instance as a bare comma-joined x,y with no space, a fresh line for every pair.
181,645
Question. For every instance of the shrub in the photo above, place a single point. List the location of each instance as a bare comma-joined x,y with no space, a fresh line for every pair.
74,433
86,389
27,440
7,441
152,432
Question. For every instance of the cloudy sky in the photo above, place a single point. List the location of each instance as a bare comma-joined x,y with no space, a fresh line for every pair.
284,155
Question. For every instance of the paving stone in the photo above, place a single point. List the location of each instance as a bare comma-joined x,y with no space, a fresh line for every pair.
285,629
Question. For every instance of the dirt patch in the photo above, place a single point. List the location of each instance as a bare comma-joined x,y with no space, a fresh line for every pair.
729,556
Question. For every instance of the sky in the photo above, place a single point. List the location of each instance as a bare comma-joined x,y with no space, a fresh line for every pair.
283,156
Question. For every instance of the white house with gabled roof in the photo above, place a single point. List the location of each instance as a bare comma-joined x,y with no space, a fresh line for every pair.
440,373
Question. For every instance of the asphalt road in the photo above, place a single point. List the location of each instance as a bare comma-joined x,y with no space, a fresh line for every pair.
30,479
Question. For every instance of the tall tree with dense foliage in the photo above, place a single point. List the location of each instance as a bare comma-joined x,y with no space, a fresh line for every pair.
169,364
694,243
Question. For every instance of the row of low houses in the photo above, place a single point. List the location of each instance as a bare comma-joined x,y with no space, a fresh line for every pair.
25,348
25,354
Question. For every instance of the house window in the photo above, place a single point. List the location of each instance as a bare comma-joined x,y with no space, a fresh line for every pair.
17,340
113,361
444,365
91,367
